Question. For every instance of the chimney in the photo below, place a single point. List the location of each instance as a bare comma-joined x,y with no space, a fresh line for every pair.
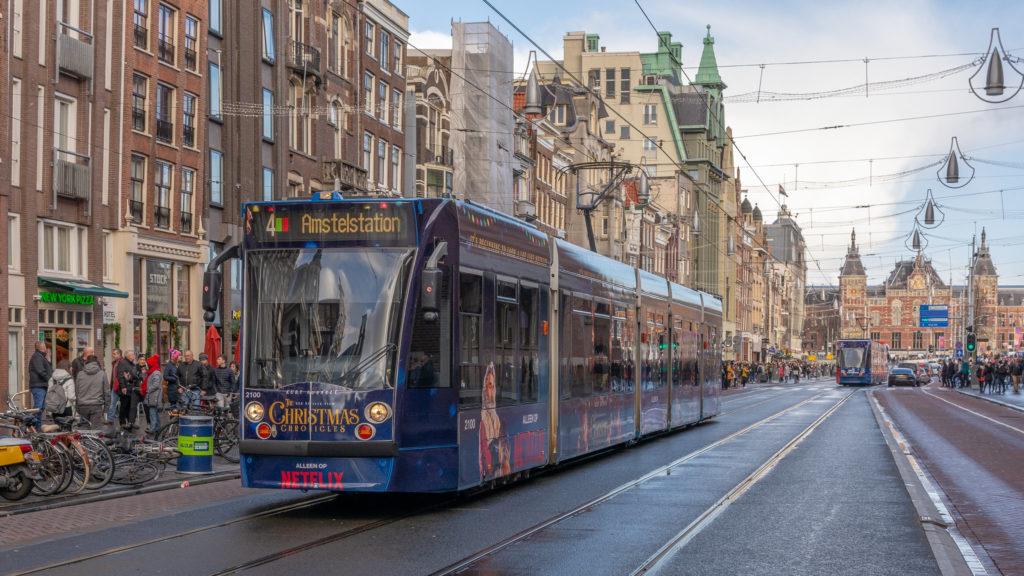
603,48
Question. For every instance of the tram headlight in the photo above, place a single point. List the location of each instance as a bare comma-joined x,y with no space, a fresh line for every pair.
254,411
378,412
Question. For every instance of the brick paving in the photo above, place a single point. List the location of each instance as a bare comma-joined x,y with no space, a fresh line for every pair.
974,450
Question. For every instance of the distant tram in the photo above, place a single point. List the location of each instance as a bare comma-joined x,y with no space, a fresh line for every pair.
435,345
861,362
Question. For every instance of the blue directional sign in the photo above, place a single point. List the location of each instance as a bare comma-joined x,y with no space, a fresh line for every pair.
959,353
934,316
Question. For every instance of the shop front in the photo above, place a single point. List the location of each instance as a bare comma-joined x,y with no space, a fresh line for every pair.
66,309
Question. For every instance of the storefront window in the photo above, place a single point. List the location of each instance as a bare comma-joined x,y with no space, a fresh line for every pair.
182,273
158,287
137,286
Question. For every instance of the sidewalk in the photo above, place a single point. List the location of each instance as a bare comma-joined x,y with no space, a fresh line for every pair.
1008,398
169,478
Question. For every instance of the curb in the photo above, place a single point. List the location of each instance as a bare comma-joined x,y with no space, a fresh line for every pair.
121,493
936,524
1011,405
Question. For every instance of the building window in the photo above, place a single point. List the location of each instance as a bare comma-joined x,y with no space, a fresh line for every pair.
334,57
367,150
191,43
385,44
14,241
63,248
268,115
624,86
188,121
164,125
300,124
594,79
188,179
368,93
215,97
297,24
139,87
336,122
181,272
396,107
136,201
16,132
897,340
141,21
268,184
397,68
624,132
650,145
609,126
165,34
215,16
651,114
268,35
216,176
162,183
557,115
396,169
369,39
382,102
609,83
382,152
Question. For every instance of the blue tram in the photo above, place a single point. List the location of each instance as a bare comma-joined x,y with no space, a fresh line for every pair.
435,345
861,362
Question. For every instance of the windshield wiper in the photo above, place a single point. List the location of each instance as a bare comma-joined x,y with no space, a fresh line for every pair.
367,362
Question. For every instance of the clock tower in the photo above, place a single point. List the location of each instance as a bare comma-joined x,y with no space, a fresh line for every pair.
853,284
986,286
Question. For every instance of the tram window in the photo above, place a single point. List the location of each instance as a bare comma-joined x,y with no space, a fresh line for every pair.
616,370
506,320
506,291
471,372
425,358
602,341
565,346
528,358
581,361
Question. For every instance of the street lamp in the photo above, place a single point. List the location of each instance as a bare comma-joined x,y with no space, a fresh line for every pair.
995,81
951,166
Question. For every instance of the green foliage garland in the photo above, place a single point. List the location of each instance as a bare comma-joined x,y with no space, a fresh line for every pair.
117,334
153,319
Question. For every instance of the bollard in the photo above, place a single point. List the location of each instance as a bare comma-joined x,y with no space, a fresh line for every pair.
195,442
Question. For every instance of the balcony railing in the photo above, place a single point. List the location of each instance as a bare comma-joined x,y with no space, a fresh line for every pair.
138,119
165,50
190,59
303,57
162,217
141,37
186,221
72,175
74,56
135,208
164,130
188,135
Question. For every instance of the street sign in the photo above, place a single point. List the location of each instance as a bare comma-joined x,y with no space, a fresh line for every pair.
828,357
934,316
959,353
959,345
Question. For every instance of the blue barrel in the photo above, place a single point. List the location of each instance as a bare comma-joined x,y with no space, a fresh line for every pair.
195,442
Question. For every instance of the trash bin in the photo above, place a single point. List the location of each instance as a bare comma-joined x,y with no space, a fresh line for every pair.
195,442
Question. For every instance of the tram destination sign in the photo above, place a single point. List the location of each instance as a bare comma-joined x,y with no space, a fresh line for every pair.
934,316
362,223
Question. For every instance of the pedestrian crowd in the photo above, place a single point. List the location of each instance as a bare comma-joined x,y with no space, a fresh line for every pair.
737,374
83,387
994,375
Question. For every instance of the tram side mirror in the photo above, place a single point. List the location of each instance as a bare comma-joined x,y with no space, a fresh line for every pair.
211,293
430,293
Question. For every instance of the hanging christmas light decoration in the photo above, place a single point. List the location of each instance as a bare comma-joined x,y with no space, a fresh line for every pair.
949,172
917,240
998,88
929,209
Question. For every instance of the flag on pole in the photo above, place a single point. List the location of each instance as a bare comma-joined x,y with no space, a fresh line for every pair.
782,191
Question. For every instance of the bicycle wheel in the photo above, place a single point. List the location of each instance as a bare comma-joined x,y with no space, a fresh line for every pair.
132,470
168,431
80,473
101,462
225,440
53,466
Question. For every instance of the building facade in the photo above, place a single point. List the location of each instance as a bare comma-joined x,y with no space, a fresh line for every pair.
787,247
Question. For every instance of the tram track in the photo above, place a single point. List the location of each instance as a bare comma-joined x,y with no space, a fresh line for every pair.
691,530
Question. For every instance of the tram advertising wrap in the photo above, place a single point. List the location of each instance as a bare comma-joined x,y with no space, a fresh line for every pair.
437,346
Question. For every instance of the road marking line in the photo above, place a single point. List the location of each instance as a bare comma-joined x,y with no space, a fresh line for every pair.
937,397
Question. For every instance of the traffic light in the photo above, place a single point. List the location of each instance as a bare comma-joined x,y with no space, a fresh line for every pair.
972,341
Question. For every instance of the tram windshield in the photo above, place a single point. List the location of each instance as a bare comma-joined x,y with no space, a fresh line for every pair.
852,357
324,315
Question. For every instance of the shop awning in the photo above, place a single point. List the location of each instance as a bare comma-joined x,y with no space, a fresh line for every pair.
82,287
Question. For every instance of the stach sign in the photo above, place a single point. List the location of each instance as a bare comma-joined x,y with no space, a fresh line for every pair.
934,316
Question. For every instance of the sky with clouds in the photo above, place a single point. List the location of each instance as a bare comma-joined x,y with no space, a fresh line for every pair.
855,160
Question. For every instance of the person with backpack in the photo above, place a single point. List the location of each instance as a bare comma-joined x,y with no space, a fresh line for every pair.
58,399
92,392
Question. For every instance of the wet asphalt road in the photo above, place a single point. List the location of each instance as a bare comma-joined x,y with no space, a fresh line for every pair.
834,504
